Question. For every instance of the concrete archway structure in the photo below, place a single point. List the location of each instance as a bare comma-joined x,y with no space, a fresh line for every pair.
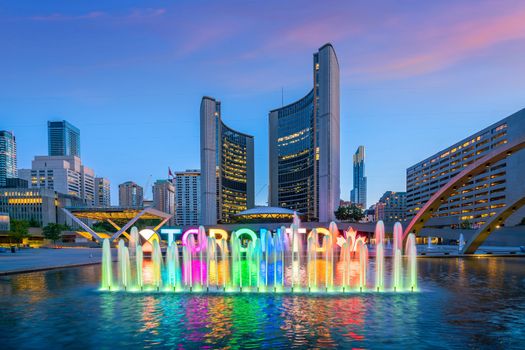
474,169
491,226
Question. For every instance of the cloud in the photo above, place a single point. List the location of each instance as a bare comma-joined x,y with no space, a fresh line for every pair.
443,44
65,17
134,14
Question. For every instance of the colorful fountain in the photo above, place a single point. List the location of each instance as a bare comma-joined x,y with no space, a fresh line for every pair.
287,260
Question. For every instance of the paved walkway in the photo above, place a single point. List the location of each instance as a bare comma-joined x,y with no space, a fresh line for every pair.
28,260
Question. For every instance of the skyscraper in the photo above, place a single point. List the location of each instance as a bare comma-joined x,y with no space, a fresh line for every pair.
358,193
304,145
164,197
102,192
63,139
227,167
187,197
130,195
7,156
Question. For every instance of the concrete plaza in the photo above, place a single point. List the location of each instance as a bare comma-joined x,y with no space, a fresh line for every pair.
27,260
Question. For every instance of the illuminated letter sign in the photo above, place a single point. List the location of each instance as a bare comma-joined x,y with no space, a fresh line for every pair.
170,232
245,231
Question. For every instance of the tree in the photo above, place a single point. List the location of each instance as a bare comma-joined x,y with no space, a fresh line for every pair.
34,223
465,225
349,213
19,230
103,226
52,232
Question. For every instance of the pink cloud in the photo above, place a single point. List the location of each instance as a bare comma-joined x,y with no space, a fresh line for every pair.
446,44
306,34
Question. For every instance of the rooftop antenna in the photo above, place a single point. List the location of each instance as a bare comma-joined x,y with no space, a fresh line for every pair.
282,96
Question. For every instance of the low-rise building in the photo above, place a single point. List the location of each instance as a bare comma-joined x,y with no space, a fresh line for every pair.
40,205
391,207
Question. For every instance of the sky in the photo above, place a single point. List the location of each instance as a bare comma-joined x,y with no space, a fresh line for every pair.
416,76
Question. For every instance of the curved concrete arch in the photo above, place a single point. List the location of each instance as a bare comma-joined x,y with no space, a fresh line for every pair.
474,169
491,226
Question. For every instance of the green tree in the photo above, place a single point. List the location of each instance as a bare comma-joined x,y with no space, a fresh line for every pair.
34,223
465,225
52,232
103,226
349,213
19,230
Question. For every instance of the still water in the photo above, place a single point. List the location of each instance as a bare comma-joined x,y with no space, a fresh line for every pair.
462,303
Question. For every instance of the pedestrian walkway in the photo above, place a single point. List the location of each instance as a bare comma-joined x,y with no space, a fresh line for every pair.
29,260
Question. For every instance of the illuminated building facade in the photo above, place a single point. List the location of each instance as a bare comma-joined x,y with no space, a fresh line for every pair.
485,194
7,157
227,167
392,206
38,204
63,139
187,197
130,195
304,145
358,193
64,174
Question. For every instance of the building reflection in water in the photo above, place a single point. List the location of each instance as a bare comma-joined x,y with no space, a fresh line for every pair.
220,311
150,319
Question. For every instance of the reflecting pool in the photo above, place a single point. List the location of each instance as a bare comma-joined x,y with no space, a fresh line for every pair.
461,303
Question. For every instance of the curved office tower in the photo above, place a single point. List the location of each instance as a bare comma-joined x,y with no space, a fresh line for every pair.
304,145
227,167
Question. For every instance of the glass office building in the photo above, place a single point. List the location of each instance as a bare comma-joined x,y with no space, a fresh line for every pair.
358,193
8,167
63,139
304,145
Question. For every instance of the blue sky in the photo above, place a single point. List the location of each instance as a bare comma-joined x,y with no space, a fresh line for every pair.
416,76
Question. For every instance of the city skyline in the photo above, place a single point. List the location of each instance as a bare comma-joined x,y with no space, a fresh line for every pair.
141,97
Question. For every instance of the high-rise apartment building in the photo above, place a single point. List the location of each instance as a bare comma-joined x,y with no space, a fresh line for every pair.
187,197
304,145
64,174
358,193
63,139
227,167
392,206
482,196
130,195
164,197
7,157
102,192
